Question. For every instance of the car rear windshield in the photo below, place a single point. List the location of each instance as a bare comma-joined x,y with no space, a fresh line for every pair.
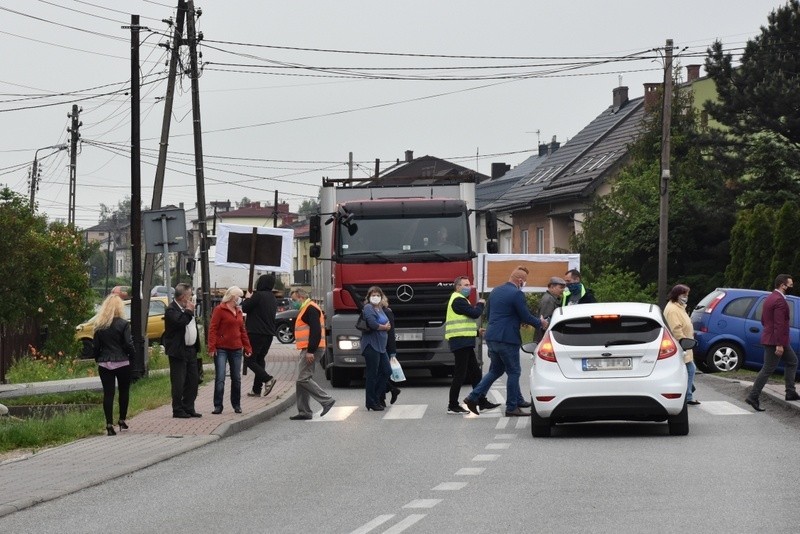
606,331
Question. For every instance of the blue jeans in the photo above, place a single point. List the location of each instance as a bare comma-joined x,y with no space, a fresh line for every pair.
691,368
234,360
377,375
503,358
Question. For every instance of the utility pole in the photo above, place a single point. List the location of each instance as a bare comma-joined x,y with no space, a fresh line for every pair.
663,225
158,184
34,180
198,163
73,158
350,167
138,369
275,211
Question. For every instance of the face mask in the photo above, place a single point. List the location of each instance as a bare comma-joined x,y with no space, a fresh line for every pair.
465,291
296,304
683,299
375,299
574,287
238,301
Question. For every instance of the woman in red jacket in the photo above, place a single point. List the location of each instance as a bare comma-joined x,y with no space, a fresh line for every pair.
227,339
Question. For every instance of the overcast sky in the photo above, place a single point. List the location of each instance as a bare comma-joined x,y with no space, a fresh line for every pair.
277,115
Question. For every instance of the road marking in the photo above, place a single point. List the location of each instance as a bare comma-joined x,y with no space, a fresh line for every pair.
486,457
498,397
505,436
337,413
423,503
449,486
522,422
498,446
378,521
470,471
502,423
722,408
404,524
406,411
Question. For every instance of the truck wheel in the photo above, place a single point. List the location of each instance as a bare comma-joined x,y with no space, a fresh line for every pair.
340,378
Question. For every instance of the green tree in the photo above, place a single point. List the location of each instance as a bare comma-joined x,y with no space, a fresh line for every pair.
758,256
44,268
309,207
757,105
784,245
734,273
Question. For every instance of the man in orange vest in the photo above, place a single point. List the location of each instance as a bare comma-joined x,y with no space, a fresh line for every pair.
309,328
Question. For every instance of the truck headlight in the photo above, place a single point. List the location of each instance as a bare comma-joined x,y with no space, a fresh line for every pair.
348,342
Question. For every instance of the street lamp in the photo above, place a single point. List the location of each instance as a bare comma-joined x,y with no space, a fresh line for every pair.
35,169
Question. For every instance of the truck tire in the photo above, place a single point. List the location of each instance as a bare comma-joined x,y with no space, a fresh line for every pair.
340,378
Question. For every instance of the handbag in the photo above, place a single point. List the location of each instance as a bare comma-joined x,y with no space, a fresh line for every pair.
361,323
397,371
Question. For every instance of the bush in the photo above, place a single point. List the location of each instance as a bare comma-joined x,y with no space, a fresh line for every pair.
39,367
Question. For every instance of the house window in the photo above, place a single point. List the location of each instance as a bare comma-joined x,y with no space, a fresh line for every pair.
539,240
524,244
504,237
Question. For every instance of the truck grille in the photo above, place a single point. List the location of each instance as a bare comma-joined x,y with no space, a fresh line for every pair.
424,305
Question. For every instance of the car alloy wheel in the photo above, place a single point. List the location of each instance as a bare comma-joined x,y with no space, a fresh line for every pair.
285,333
724,357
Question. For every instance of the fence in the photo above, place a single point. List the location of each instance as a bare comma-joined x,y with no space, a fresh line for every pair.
14,343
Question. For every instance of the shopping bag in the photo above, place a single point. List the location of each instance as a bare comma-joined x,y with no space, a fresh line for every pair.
397,371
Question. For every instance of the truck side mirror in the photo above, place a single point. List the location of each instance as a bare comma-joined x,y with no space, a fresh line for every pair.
314,251
491,247
314,229
491,226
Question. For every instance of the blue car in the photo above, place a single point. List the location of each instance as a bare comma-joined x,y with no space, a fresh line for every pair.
727,326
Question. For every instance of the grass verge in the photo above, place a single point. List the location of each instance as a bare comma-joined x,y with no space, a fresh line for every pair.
146,394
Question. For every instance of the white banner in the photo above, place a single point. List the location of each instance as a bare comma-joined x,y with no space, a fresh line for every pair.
495,269
273,247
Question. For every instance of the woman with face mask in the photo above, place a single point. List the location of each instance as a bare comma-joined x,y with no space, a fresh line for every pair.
680,325
227,340
373,347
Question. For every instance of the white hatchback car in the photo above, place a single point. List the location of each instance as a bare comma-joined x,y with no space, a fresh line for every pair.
605,362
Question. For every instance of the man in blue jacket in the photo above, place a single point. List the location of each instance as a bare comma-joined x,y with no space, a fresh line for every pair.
507,311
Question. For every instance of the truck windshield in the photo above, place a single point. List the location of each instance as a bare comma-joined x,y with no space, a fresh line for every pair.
439,238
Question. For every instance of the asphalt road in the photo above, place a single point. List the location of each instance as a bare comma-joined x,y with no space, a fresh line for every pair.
415,469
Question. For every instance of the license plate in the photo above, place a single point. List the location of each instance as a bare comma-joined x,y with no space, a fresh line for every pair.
408,336
607,364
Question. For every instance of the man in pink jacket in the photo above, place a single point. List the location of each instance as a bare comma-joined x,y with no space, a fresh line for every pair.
775,339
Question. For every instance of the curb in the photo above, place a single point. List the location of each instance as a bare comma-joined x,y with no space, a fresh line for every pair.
259,416
768,390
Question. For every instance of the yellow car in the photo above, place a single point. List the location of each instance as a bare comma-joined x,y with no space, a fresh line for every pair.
84,332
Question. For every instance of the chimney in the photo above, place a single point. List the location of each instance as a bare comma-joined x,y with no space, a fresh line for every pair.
652,96
543,148
409,155
692,72
499,169
620,97
555,144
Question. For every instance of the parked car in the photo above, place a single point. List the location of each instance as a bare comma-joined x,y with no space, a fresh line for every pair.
727,326
284,325
609,361
163,291
284,304
84,332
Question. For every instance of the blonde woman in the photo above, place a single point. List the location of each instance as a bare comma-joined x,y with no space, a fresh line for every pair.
113,351
227,340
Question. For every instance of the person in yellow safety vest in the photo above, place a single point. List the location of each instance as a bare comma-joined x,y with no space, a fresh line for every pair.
576,292
460,331
309,328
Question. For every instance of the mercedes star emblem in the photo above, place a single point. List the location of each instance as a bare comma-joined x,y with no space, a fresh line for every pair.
405,293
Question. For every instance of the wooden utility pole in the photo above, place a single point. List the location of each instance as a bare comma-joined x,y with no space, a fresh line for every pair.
158,183
663,225
198,163
73,160
138,369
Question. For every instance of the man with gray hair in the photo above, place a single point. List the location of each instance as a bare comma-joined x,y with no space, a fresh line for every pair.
182,344
551,299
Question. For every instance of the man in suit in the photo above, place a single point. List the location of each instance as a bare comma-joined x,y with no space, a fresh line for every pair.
182,344
775,339
507,310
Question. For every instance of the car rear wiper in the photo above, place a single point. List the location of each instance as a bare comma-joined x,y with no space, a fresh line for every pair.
623,342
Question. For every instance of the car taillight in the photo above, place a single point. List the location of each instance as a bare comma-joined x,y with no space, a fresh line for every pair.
668,347
713,303
545,350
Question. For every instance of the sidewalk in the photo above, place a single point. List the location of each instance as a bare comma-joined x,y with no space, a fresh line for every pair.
154,435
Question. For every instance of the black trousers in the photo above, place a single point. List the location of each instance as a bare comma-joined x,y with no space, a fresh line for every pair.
466,370
110,378
184,378
258,361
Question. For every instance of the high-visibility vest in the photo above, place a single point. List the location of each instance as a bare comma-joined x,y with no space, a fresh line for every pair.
302,330
565,295
456,325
